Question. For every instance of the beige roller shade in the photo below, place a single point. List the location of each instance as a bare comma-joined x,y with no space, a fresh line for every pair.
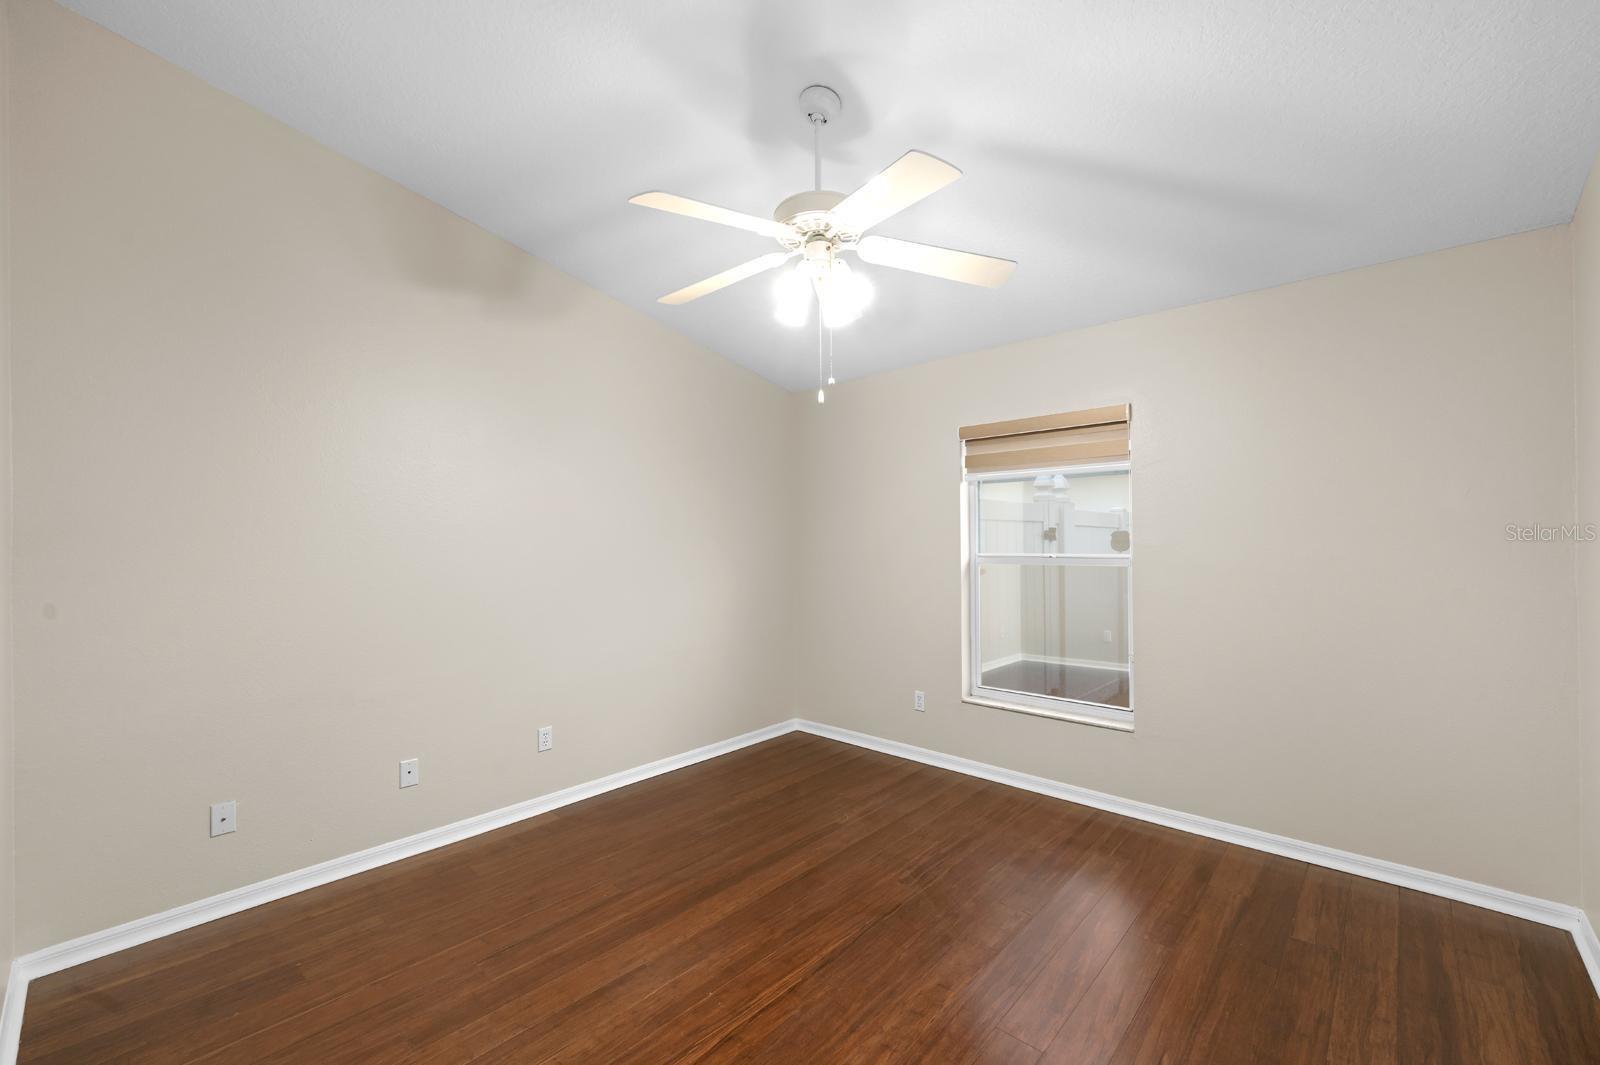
1051,440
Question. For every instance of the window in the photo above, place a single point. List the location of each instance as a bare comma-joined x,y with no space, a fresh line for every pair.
1049,560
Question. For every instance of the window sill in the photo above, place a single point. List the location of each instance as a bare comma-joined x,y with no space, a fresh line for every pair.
1054,715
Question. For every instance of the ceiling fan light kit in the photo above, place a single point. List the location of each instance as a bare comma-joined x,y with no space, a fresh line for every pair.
820,226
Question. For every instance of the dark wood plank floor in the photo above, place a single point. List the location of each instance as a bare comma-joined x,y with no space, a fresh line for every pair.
804,900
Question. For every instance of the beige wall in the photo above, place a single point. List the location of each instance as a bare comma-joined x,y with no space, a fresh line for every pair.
1586,306
313,476
7,825
1334,638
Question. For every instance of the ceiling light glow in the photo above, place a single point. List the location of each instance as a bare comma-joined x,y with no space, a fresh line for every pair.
793,291
844,294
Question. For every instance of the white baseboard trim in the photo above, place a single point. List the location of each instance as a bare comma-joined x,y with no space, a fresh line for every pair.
1541,911
11,1013
1588,948
99,944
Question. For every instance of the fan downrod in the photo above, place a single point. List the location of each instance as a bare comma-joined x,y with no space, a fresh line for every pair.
808,211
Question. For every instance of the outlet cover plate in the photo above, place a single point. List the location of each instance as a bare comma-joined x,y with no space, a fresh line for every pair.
410,773
224,817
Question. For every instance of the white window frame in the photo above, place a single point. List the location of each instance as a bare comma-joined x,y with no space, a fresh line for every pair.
1060,709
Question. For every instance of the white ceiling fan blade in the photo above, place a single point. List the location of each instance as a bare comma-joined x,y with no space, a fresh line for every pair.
727,277
947,263
905,181
709,212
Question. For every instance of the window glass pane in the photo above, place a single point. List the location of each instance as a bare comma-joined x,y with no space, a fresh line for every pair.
1055,514
1054,630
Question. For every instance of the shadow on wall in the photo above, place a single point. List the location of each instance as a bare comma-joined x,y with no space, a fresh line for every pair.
441,251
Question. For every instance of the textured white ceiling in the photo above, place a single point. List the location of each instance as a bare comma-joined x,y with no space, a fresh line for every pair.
1130,156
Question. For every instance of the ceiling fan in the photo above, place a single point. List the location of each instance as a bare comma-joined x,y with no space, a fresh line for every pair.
819,225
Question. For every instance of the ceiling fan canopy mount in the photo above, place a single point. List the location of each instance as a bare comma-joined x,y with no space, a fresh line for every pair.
820,104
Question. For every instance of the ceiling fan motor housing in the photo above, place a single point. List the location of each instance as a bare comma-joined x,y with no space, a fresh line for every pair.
810,214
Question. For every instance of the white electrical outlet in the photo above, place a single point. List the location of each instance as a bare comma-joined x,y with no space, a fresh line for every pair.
224,817
546,738
917,703
410,773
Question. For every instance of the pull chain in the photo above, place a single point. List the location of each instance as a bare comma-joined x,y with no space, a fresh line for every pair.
830,356
821,395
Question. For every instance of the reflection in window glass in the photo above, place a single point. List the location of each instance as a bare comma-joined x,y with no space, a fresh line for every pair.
1055,514
1055,631
1051,588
